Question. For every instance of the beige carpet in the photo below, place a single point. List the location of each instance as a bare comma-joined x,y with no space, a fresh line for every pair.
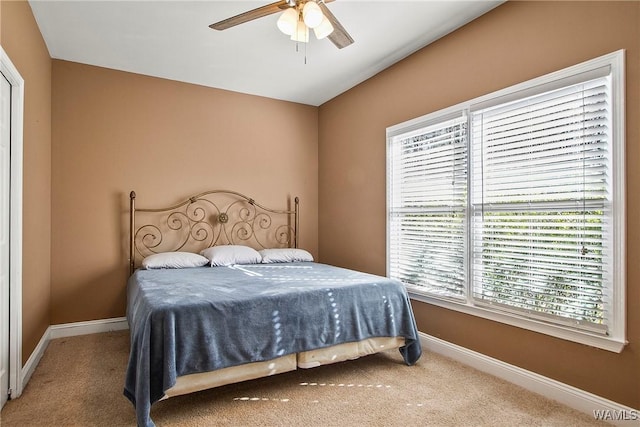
79,383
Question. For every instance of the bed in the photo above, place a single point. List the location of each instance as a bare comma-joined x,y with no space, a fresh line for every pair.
243,316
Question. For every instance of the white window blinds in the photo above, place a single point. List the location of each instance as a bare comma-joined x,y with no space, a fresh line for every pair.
511,206
540,202
427,206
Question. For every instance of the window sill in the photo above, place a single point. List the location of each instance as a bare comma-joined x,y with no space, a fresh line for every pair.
615,345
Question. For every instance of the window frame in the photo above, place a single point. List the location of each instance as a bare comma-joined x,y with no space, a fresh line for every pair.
616,338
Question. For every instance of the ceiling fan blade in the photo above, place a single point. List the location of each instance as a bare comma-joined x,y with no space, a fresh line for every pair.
250,15
339,36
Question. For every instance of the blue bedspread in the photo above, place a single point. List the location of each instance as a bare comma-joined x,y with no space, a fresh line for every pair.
192,320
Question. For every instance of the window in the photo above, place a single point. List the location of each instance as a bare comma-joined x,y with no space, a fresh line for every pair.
511,206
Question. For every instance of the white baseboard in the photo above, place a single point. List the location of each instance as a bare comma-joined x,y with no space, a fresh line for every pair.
568,395
89,327
67,330
34,359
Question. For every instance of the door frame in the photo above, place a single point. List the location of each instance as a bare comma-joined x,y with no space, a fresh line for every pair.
15,241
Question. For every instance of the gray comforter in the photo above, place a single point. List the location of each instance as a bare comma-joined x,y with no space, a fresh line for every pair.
186,321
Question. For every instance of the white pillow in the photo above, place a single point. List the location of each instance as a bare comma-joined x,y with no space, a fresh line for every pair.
174,260
231,254
285,255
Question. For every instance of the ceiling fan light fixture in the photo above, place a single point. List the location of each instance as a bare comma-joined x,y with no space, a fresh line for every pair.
288,21
324,29
295,20
301,34
312,14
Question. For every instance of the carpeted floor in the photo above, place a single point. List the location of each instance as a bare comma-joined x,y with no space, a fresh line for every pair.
79,383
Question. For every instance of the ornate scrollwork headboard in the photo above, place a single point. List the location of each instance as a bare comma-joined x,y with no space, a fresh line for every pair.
212,218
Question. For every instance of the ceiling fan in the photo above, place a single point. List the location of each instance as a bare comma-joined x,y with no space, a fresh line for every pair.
297,18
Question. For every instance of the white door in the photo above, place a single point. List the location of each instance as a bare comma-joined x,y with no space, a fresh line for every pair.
5,186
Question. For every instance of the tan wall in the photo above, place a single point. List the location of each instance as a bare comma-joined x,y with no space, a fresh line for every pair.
25,47
115,131
513,43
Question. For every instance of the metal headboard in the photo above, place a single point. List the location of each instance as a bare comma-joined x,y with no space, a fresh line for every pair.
212,218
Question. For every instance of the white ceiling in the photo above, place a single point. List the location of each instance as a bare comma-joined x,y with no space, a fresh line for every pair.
172,40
